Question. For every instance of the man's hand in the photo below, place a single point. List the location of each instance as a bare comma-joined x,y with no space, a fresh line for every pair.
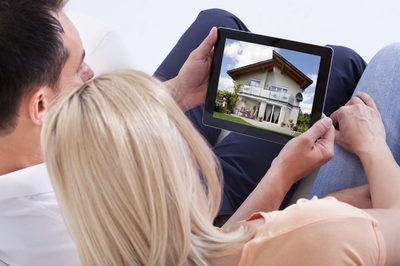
190,86
303,154
360,126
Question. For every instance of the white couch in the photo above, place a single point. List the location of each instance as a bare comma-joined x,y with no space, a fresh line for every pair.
103,46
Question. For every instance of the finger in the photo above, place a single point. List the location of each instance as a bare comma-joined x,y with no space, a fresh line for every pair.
339,114
354,100
325,144
206,46
336,116
320,128
328,138
366,99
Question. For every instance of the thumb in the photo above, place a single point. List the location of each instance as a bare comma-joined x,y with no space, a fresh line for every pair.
206,46
320,128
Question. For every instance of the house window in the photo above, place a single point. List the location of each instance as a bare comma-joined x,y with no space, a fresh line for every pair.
278,89
272,113
255,83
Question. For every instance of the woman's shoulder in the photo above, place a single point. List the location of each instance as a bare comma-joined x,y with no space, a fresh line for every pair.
314,232
307,211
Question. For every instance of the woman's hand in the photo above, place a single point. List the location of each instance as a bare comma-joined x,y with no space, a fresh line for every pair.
303,154
360,127
190,86
298,158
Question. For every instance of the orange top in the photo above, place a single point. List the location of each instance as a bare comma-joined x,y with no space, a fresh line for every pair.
316,232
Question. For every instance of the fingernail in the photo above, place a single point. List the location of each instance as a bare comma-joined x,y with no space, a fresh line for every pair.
327,122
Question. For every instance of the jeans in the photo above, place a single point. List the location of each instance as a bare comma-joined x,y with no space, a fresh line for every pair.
245,160
381,80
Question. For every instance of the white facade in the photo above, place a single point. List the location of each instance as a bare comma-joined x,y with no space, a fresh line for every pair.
270,91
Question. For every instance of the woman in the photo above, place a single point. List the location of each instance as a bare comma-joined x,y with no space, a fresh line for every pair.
138,186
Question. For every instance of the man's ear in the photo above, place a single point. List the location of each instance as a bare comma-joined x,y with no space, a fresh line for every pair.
39,104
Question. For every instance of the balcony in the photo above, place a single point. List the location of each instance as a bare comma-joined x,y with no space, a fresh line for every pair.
256,91
251,90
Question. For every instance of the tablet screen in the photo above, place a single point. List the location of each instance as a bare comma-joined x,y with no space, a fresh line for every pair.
266,87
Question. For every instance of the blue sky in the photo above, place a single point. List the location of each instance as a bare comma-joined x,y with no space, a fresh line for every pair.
238,53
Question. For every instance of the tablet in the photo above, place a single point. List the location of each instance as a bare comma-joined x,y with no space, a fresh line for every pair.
266,87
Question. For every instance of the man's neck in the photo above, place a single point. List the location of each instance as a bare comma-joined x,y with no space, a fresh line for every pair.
18,152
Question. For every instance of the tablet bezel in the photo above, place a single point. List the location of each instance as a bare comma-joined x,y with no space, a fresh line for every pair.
325,53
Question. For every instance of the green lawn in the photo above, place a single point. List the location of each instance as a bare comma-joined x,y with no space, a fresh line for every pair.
231,118
243,122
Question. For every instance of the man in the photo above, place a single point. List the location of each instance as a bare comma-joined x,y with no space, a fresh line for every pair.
40,54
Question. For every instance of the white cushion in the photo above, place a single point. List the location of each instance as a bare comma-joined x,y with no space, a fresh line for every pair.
104,48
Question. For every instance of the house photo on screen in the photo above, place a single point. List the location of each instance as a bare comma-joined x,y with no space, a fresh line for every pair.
266,87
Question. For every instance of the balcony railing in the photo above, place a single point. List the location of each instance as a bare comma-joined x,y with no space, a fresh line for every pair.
256,91
251,90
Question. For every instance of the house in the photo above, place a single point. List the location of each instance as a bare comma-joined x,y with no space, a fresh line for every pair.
270,91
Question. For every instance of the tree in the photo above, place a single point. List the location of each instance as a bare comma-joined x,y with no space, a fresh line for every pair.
303,122
230,99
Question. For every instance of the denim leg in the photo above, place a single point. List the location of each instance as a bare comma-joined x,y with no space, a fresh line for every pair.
193,36
381,80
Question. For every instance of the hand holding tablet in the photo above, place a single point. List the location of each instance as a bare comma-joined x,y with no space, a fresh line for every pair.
266,87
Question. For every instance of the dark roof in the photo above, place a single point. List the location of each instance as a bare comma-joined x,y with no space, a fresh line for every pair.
278,61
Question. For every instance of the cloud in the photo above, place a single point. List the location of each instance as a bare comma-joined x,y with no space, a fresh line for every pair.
244,53
306,107
225,83
308,95
233,49
314,78
311,88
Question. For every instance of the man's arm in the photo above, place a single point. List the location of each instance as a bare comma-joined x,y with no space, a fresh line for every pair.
189,87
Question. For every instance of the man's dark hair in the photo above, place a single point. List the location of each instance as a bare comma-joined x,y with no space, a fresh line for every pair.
32,52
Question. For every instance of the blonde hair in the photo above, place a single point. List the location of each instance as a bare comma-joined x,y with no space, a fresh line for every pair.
136,182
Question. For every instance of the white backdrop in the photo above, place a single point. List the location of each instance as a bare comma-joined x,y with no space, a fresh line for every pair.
151,28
